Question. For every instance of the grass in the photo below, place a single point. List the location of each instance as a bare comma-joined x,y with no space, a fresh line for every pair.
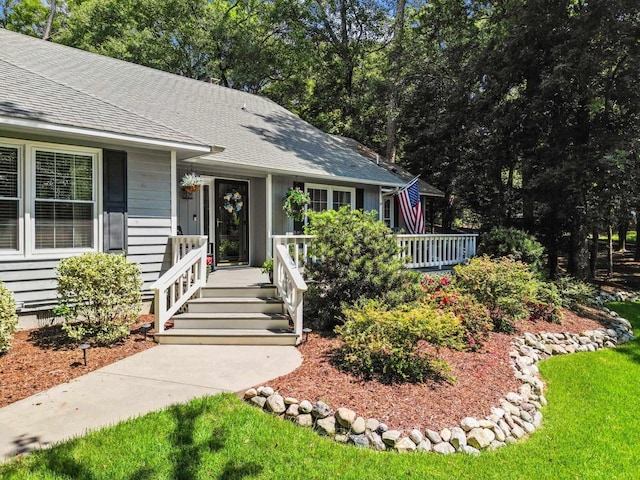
631,237
590,431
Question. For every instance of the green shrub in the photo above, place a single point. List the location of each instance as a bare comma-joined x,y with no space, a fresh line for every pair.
8,318
385,343
357,259
509,289
474,316
511,242
99,295
574,292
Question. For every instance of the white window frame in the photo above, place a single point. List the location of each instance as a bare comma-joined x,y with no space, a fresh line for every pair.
390,218
330,189
19,146
27,177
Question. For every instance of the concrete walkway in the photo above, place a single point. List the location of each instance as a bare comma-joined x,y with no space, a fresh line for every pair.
148,381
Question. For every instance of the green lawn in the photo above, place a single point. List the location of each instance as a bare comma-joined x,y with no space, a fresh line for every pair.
631,237
591,430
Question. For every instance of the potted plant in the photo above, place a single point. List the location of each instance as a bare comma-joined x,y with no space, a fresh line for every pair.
295,204
191,182
267,267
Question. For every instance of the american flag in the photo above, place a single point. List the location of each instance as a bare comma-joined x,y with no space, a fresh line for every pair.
410,208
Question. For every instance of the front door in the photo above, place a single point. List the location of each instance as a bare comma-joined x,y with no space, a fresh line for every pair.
231,222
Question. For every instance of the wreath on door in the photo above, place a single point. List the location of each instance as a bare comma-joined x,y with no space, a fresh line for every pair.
233,202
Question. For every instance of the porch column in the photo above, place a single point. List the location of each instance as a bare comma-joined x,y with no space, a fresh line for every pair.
269,222
174,192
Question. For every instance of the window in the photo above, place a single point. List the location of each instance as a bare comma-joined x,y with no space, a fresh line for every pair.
387,211
9,198
63,200
328,197
48,200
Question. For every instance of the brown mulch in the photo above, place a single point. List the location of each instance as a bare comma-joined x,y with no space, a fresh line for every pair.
481,379
40,359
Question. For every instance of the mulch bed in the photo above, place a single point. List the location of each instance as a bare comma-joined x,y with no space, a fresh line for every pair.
481,379
41,358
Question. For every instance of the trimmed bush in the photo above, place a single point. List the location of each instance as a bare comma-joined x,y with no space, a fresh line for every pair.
475,318
385,343
99,296
574,293
511,242
358,259
8,318
509,289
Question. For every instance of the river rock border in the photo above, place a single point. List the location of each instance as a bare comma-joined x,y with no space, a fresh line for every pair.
517,416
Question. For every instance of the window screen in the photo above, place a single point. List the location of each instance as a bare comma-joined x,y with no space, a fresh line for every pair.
9,198
64,201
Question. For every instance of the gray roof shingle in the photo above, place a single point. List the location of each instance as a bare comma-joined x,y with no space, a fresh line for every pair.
64,85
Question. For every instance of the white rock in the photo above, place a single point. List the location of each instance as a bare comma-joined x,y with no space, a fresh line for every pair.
405,445
480,438
444,448
252,392
424,446
391,437
445,434
469,450
433,436
499,412
305,406
458,438
372,424
469,423
358,426
416,436
345,417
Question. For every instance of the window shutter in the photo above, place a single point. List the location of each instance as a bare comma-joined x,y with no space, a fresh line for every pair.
359,198
115,201
298,226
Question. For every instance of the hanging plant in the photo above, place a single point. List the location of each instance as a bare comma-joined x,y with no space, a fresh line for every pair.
295,204
191,182
233,202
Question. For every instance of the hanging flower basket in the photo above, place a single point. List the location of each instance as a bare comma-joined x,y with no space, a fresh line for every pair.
191,182
295,204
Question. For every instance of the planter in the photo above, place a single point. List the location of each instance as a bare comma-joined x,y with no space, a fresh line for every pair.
191,188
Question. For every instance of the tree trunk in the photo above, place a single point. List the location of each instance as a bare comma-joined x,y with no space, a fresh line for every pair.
610,253
394,82
578,264
623,228
52,13
636,255
593,258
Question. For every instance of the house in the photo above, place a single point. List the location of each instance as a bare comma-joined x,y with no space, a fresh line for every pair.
92,151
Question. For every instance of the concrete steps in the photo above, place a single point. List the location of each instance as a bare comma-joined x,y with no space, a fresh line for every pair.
251,315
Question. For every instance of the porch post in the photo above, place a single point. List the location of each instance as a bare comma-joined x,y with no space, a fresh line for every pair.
174,192
269,206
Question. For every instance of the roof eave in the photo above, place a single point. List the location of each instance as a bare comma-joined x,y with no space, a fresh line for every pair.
186,149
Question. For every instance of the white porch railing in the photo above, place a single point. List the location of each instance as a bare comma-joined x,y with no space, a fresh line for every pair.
183,280
291,286
419,251
298,247
432,250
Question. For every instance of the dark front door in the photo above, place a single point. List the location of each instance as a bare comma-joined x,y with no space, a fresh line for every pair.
232,222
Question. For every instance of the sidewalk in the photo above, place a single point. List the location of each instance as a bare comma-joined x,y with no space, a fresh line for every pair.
148,381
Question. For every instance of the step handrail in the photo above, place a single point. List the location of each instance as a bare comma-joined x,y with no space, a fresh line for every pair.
291,287
178,284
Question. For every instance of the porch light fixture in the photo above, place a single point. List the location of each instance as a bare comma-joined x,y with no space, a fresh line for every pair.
84,347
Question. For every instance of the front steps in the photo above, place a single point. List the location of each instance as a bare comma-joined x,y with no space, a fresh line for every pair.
252,315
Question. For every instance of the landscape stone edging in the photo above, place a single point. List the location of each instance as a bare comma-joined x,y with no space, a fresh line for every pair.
518,415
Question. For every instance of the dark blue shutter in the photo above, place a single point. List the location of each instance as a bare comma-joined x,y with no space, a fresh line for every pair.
298,226
114,201
359,198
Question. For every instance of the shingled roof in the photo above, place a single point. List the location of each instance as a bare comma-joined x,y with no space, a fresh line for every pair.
66,86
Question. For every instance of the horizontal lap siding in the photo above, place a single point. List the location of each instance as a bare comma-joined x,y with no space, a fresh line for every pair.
149,207
149,224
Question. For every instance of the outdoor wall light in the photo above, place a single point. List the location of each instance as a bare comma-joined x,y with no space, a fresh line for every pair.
306,332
